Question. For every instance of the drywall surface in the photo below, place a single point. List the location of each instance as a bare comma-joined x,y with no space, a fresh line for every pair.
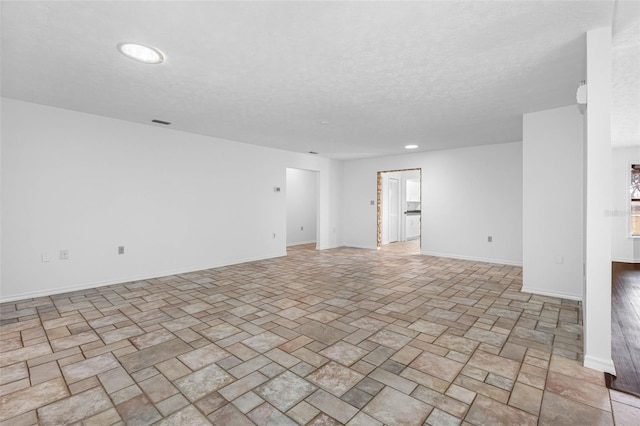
553,216
597,289
301,194
468,195
176,201
623,247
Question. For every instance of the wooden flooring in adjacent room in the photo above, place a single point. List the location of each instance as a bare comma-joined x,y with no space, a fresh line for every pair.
625,324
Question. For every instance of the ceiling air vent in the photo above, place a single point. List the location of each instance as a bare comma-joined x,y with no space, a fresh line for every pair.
166,123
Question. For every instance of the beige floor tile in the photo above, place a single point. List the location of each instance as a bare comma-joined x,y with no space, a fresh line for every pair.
332,406
335,378
487,411
344,353
624,414
266,414
578,390
558,409
198,384
28,399
341,336
393,407
138,411
187,416
437,366
77,407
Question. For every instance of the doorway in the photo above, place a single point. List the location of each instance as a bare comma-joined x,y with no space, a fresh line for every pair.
399,208
302,207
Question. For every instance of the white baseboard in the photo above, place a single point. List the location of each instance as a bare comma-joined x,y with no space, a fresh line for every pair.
626,260
604,365
557,294
300,243
126,279
361,246
476,259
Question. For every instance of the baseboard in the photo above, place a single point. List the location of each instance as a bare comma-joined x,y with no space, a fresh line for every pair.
126,279
604,365
559,295
621,260
475,259
361,246
301,243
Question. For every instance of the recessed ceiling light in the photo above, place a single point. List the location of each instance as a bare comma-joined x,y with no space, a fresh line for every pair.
140,52
324,122
411,146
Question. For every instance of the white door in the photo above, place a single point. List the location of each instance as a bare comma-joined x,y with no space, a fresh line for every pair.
394,209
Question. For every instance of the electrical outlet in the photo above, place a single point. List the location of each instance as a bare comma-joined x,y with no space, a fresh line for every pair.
302,228
273,236
490,239
64,254
373,203
120,249
46,257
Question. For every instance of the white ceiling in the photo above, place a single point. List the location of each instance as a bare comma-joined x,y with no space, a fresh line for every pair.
382,74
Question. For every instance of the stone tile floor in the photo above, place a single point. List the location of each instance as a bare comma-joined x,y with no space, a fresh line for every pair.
343,336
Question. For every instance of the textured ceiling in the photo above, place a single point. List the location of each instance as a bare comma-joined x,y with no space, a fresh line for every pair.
625,102
439,74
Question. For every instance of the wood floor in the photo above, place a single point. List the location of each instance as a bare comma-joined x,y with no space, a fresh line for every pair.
625,323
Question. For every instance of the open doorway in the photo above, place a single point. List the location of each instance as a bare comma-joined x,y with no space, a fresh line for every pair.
302,207
400,210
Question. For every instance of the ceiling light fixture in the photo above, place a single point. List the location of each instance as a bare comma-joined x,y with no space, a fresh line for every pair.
411,146
324,122
140,52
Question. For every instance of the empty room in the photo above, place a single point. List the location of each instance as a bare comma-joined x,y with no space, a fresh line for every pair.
320,213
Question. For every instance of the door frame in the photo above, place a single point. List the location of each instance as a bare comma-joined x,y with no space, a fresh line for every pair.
379,201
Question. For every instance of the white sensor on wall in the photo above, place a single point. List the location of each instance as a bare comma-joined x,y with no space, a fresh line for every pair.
581,93
140,52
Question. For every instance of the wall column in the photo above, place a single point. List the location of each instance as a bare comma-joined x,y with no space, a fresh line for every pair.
597,290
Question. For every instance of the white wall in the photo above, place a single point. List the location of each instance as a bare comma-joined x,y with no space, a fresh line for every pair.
468,194
177,201
623,247
301,194
553,176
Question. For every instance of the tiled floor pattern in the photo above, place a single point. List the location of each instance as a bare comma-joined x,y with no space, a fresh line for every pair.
344,336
